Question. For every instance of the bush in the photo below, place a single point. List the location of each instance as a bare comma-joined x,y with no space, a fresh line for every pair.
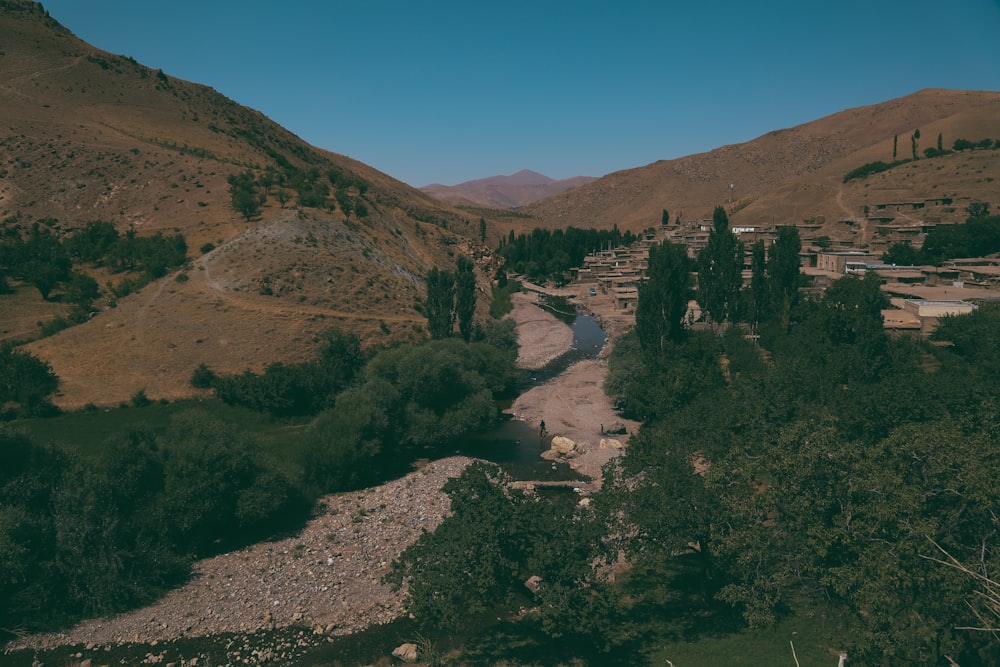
203,377
866,170
140,399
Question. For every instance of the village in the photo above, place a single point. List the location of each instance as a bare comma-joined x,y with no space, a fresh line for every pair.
919,295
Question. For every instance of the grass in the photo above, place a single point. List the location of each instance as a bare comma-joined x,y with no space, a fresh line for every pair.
815,634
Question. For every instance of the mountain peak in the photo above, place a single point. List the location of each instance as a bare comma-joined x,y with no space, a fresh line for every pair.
511,191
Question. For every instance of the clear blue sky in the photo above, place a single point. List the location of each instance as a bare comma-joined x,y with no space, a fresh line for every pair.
447,91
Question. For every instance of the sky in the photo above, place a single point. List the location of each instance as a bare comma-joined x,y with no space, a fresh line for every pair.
445,91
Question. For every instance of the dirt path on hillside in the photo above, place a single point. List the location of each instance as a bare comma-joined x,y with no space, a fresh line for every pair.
206,283
572,405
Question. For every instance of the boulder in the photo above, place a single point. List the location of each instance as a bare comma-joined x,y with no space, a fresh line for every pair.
405,652
563,445
616,428
610,443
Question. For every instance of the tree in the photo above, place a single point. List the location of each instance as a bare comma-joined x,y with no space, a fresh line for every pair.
468,564
853,309
913,142
82,289
758,300
482,230
783,272
28,474
895,141
45,262
465,296
243,194
665,218
663,297
94,242
901,254
25,381
720,267
439,305
977,211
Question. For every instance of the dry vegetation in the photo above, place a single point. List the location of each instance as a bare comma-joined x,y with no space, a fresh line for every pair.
94,136
792,175
90,135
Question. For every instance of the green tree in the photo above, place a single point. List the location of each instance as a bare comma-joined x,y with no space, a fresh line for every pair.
914,138
901,254
218,491
895,142
439,307
94,242
465,296
977,211
663,297
82,289
243,194
783,266
25,381
28,474
665,218
45,262
469,564
720,267
758,299
482,230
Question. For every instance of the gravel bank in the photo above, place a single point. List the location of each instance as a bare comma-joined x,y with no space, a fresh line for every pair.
327,578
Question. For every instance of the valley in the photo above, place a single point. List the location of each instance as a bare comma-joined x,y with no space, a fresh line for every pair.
250,387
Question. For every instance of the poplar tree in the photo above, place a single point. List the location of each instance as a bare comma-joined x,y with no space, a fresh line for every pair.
720,267
663,297
783,272
439,307
465,296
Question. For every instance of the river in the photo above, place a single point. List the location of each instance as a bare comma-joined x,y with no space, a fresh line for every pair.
513,444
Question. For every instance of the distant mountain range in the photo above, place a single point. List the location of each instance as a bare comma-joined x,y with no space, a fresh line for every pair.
504,192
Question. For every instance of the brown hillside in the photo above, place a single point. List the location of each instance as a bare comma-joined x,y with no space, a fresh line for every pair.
90,135
504,192
791,175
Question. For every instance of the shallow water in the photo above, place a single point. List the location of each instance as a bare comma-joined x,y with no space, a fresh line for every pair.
515,445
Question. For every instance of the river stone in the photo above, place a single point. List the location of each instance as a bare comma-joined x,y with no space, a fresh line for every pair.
563,445
610,443
405,652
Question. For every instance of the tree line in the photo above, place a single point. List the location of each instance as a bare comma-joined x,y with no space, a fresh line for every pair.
959,145
40,257
249,190
821,472
978,236
545,254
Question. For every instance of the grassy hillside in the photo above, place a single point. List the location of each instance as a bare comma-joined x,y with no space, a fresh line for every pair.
90,135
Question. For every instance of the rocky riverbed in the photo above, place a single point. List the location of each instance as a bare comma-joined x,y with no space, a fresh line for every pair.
326,579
